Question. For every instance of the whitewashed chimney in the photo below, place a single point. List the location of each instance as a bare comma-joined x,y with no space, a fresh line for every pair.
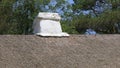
48,24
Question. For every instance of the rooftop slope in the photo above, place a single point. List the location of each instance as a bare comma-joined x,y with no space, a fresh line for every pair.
76,51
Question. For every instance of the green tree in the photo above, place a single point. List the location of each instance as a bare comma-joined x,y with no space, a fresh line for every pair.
23,15
106,22
17,16
84,4
115,3
5,13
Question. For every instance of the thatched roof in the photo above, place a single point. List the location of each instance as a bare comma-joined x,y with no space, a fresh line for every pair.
76,51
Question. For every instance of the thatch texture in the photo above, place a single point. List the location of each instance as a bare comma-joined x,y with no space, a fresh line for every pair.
76,51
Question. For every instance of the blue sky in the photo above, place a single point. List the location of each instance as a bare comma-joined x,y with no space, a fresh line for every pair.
71,1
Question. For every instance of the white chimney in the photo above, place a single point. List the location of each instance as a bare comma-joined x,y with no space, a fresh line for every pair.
48,24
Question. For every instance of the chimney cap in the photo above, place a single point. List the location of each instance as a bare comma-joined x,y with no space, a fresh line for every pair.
48,15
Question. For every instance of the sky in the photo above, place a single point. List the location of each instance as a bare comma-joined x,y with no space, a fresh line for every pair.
71,1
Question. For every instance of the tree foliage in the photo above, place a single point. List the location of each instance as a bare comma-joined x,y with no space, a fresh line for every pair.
5,13
84,4
16,16
106,22
115,3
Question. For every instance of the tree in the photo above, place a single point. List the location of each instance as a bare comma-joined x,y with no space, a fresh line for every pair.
83,5
16,16
24,14
21,14
107,21
5,13
115,3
